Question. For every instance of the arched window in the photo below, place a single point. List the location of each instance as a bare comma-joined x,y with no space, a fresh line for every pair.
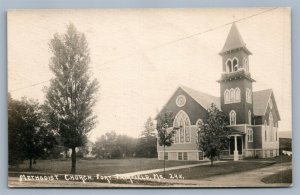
199,123
248,96
246,64
271,124
237,95
235,64
182,121
249,117
232,116
232,95
250,135
266,138
270,104
229,67
226,96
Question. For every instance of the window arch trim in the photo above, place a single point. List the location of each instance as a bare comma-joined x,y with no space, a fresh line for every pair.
232,95
235,66
248,96
226,96
232,117
228,67
245,64
182,120
237,94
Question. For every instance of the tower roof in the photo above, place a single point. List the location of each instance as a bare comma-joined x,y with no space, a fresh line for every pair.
234,41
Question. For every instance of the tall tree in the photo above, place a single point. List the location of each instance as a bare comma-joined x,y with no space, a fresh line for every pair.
71,95
147,143
165,134
29,137
213,133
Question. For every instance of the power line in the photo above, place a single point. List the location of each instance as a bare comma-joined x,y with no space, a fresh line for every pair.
190,36
216,27
30,86
166,44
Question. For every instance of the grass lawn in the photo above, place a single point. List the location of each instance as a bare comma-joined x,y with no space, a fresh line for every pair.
277,159
95,166
228,167
281,177
204,171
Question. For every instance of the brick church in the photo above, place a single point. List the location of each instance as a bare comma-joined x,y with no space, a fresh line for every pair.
253,115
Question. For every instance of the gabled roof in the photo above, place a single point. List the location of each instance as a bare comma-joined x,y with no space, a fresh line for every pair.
234,41
203,99
261,100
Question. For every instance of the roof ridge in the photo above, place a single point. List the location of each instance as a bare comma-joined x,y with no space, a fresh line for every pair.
264,90
183,86
204,99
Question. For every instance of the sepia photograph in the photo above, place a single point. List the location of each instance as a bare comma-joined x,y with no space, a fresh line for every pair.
149,98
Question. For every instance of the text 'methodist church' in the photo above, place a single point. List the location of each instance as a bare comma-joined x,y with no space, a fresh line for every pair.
253,115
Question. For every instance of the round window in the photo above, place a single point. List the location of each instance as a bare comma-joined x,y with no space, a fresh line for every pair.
180,101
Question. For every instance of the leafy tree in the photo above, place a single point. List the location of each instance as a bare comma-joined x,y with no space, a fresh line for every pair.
165,134
126,145
29,137
105,146
71,94
147,143
111,145
213,133
82,151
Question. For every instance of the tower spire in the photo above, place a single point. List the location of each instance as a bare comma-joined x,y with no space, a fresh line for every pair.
234,41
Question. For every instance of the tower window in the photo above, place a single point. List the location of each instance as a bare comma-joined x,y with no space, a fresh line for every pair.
232,93
232,116
226,96
229,67
248,96
246,64
237,94
235,64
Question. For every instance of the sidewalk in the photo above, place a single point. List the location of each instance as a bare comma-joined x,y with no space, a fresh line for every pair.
167,169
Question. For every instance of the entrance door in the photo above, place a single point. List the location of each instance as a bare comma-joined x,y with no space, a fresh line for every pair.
239,145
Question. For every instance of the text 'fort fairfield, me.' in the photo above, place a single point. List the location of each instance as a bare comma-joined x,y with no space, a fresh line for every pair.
98,177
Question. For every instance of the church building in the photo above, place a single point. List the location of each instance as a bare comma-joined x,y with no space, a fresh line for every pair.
253,115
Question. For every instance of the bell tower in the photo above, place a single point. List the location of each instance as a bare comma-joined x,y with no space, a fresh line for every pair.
236,82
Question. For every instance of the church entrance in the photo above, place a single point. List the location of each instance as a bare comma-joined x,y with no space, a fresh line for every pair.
239,145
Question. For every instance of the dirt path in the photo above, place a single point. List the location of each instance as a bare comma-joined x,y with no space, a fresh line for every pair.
243,179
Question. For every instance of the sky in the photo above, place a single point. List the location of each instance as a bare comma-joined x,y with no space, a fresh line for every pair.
140,56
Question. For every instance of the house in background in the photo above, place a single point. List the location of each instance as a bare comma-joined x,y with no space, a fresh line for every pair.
285,143
253,116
